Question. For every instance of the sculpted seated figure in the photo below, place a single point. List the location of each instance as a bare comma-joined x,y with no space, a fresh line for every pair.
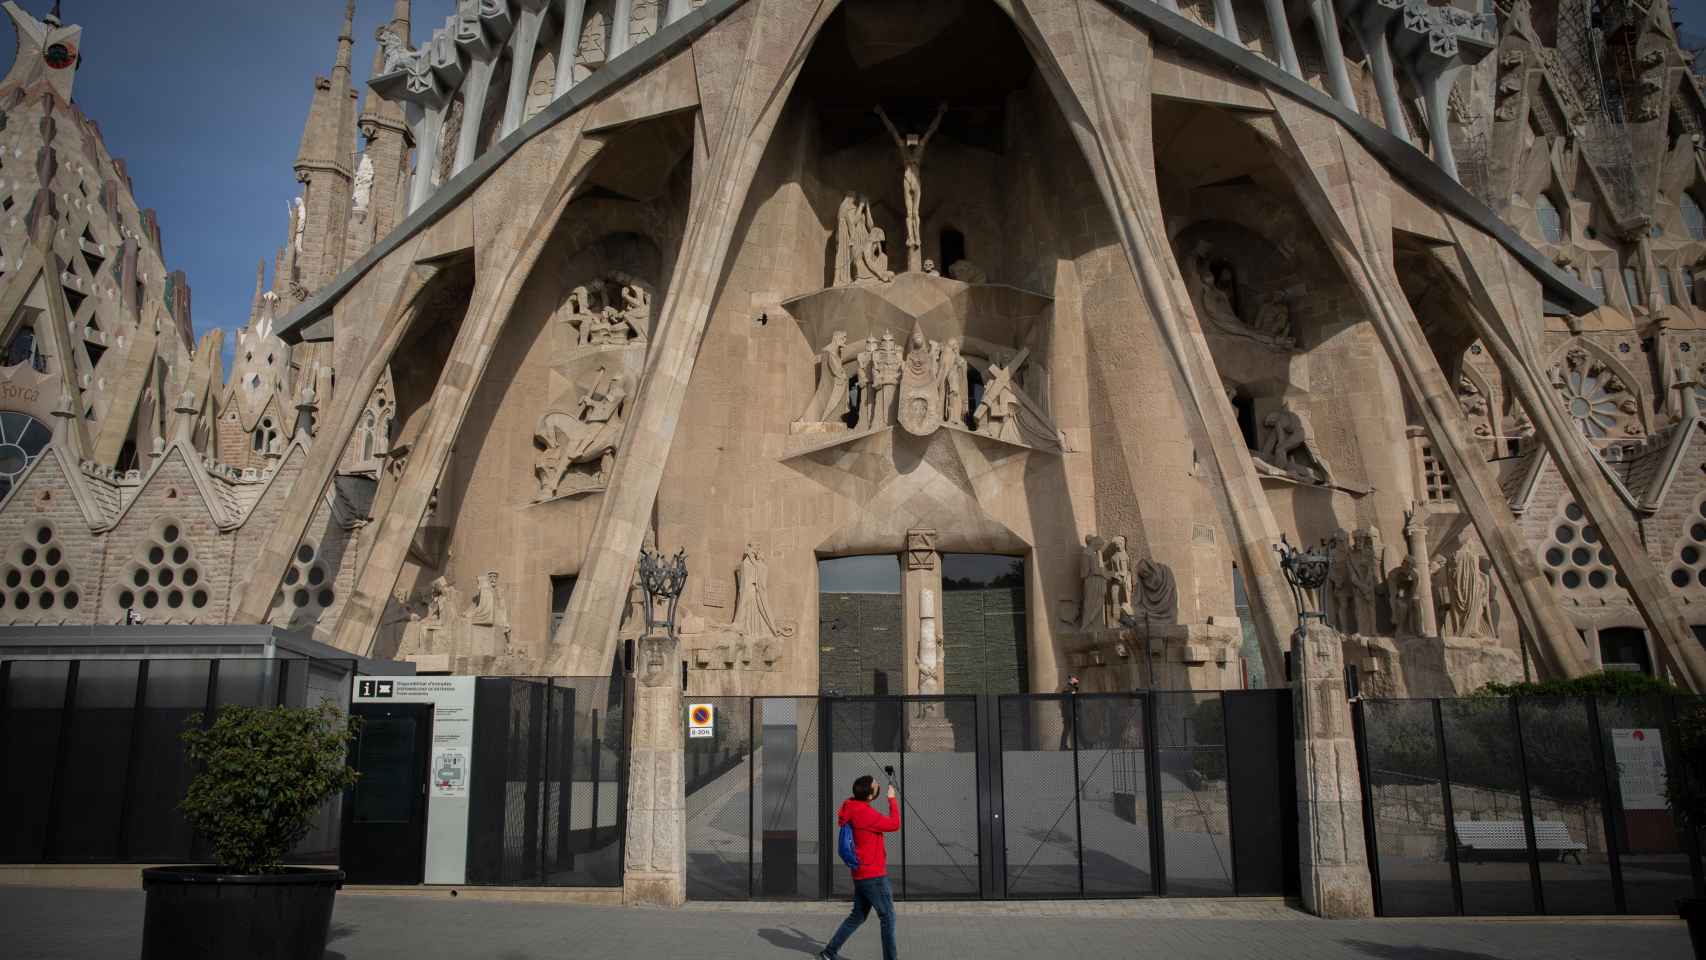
587,435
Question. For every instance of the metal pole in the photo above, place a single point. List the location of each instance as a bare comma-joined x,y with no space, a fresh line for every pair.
751,787
1607,808
1077,785
1527,807
134,755
62,759
1152,785
545,780
1359,730
1445,801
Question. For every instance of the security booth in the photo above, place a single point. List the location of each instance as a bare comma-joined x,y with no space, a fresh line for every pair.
90,724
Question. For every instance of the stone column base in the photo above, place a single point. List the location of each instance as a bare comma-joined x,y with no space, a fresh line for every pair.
653,889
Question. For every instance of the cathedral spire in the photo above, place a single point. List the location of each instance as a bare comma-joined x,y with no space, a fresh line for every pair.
346,42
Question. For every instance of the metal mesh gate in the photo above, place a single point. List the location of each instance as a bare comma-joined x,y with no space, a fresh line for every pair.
1016,796
547,789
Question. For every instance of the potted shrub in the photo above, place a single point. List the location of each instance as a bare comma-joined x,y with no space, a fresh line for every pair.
264,775
1685,792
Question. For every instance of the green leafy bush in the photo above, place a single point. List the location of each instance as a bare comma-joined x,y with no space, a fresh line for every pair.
1606,683
1685,782
264,774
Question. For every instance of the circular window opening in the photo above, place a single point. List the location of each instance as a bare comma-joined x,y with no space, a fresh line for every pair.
13,578
1555,557
1573,512
1597,579
191,575
316,576
1590,534
38,578
300,598
71,600
291,576
166,577
140,578
127,599
1679,578
170,534
1572,579
1698,532
198,599
1565,534
1581,556
62,578
156,555
54,556
181,555
21,600
44,535
28,556
151,599
326,598
305,553
175,599
46,600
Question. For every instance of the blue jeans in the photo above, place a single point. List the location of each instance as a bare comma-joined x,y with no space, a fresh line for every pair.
870,893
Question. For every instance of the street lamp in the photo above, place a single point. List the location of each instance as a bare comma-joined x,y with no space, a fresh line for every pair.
662,580
1306,572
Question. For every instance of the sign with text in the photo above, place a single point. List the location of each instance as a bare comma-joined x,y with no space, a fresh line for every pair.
701,720
1640,756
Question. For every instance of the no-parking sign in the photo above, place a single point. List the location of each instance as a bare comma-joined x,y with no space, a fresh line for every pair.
701,720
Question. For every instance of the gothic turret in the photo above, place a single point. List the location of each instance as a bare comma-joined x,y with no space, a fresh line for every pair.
48,51
323,167
382,173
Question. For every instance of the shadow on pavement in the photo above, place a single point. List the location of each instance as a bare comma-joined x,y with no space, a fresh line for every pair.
791,939
1400,951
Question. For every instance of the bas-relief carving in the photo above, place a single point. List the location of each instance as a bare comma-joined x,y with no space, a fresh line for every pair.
587,435
1463,593
1214,288
606,313
753,639
439,626
1289,446
1113,589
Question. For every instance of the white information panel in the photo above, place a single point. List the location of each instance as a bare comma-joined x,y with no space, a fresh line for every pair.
1640,755
452,762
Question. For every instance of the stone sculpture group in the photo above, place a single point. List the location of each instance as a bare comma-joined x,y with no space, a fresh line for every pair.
1117,592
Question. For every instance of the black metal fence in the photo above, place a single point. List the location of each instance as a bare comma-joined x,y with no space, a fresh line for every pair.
1530,805
93,767
548,792
1016,796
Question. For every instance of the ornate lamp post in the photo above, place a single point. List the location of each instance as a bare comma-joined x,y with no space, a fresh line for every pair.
1306,571
662,580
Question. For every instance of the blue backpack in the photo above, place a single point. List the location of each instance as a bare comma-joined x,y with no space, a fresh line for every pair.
844,846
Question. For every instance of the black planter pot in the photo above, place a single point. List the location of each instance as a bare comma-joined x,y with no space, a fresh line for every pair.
1693,911
199,913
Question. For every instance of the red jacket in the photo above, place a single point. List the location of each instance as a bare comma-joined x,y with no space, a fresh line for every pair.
868,829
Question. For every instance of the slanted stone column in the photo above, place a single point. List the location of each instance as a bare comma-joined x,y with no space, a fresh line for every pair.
1331,853
655,871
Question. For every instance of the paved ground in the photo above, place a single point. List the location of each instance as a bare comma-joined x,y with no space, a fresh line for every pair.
38,924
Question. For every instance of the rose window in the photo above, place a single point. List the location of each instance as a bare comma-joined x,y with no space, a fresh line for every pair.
1595,397
22,439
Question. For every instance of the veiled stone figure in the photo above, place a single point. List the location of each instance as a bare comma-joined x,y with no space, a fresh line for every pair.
752,598
1158,592
1407,583
1093,569
1463,593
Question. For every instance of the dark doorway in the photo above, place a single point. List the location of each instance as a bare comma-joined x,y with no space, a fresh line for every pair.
953,249
1245,409
983,623
384,838
1625,648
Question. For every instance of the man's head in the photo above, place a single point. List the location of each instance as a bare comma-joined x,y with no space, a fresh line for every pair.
865,788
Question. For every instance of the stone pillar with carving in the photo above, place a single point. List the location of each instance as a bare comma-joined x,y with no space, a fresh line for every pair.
656,843
1331,853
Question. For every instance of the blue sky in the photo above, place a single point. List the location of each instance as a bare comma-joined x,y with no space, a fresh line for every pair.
205,100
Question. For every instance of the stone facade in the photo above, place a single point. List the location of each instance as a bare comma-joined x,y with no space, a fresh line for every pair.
1057,350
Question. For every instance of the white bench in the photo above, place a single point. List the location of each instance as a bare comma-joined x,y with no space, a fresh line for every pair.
1550,836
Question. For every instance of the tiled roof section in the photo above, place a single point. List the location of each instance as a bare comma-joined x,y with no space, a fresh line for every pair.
105,495
1516,475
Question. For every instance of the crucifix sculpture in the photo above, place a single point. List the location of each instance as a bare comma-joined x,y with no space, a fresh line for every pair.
912,148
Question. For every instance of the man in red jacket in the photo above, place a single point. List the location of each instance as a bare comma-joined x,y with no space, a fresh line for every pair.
871,880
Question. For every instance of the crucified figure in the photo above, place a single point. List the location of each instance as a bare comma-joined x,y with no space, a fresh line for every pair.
911,148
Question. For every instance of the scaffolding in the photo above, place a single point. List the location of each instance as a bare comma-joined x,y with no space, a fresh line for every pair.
1593,34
